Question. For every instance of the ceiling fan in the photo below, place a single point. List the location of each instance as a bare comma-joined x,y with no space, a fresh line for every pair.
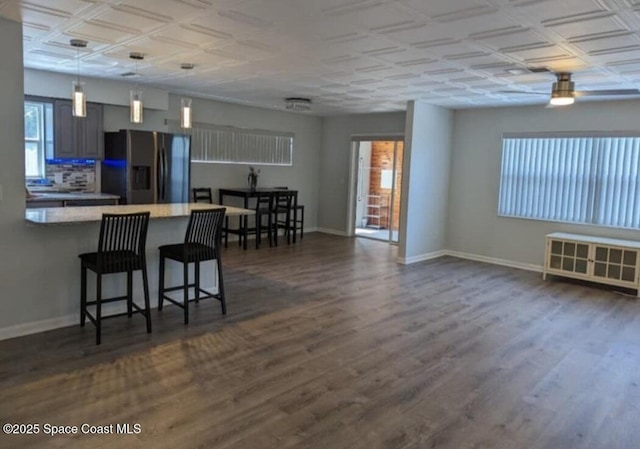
563,92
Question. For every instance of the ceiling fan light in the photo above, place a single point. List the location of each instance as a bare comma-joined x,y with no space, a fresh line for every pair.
562,101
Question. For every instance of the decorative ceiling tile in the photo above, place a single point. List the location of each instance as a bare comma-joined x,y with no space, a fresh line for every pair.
586,25
554,10
598,44
349,55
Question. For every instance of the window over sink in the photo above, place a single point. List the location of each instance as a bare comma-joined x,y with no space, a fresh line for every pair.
38,136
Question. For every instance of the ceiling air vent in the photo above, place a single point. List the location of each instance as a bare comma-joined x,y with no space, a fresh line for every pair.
127,74
297,104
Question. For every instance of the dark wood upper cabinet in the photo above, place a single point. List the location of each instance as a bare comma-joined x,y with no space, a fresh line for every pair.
77,138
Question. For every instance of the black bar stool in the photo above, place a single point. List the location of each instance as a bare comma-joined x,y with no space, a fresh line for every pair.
297,218
202,195
201,243
121,249
264,208
283,212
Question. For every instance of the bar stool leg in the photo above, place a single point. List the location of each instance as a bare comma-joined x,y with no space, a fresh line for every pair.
223,300
186,292
196,271
83,295
147,307
98,308
301,223
161,283
129,294
226,233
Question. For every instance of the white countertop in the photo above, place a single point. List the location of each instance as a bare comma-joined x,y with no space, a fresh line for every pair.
69,215
71,196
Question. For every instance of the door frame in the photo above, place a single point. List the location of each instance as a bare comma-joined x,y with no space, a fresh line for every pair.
353,173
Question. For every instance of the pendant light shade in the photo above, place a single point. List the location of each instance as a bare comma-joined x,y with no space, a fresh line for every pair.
186,116
78,98
185,113
136,106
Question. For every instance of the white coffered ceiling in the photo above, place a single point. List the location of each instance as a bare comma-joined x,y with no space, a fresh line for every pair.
348,56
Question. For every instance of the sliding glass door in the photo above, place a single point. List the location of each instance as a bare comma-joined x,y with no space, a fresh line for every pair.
378,187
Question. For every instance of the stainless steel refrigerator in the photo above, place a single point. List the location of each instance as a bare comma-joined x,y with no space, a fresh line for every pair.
146,167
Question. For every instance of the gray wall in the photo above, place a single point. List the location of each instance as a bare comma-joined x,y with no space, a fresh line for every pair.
335,158
473,224
425,184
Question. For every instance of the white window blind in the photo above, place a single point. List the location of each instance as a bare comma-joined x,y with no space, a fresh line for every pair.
579,179
231,145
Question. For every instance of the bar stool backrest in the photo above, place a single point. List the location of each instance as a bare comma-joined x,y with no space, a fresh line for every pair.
284,200
122,242
202,195
204,231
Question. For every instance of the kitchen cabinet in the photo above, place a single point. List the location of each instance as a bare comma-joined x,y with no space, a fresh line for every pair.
77,138
596,259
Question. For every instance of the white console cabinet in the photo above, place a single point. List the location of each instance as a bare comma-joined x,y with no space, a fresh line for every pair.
596,259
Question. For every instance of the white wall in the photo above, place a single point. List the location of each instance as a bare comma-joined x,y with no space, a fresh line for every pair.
425,181
336,156
473,224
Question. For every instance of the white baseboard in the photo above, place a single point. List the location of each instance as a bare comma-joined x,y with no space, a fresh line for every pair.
422,257
38,326
332,232
495,261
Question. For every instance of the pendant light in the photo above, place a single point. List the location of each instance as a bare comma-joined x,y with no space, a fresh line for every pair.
78,98
135,97
186,116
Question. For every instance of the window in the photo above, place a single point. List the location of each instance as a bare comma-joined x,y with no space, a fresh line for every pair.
38,136
593,179
230,145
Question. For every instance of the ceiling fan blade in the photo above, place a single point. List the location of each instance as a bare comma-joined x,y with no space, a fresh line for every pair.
613,92
523,92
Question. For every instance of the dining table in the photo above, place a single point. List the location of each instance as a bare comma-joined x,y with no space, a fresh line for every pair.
247,194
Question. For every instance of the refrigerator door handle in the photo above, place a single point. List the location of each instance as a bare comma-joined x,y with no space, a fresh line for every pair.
165,174
158,173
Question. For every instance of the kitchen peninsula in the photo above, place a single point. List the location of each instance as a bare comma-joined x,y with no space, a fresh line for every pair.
61,234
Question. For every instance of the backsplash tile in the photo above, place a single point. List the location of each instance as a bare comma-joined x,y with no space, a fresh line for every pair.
74,176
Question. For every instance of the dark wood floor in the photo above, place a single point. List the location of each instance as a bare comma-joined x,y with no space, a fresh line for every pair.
331,344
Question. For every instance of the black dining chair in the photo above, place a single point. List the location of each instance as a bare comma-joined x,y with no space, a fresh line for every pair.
201,243
121,249
202,195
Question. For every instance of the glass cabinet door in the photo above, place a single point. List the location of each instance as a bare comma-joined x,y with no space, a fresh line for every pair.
569,256
615,263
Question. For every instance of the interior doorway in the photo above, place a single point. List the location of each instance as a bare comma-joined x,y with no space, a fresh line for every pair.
378,189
